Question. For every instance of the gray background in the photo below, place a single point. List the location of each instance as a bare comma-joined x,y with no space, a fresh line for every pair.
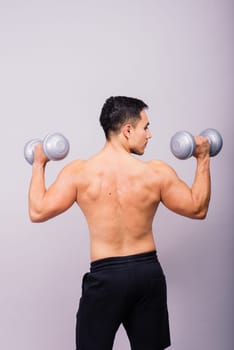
59,61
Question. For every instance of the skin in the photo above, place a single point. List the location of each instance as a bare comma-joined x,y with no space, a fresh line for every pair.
119,194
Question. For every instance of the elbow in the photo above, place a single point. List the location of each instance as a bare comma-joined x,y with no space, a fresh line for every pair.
200,214
36,217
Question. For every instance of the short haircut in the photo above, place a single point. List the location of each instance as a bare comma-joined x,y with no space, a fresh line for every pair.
118,111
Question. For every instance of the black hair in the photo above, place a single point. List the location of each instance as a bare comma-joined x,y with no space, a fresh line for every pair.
118,110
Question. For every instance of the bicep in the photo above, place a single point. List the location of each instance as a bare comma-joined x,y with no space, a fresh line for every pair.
60,195
176,195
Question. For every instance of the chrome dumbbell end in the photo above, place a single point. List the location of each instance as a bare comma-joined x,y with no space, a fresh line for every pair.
56,146
182,144
29,150
215,139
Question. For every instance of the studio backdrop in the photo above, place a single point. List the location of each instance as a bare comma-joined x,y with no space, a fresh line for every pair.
59,61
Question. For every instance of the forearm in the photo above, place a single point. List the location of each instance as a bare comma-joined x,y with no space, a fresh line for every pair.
201,188
37,191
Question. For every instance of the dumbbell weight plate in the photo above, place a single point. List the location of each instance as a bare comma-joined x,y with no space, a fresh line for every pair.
29,150
215,140
56,146
182,145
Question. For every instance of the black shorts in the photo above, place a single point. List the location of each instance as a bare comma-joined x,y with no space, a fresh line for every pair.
128,290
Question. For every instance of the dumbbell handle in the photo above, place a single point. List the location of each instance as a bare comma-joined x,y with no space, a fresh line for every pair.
183,143
55,146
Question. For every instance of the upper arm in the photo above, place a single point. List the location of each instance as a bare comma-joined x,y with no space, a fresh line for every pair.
176,195
63,192
58,197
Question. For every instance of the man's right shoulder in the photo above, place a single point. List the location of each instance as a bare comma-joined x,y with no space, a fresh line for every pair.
75,165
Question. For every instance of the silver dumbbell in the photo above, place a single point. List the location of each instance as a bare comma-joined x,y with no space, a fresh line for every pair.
55,146
183,144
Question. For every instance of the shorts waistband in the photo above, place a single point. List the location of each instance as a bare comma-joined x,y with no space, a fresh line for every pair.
121,260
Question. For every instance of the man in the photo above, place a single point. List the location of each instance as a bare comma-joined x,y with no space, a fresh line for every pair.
119,195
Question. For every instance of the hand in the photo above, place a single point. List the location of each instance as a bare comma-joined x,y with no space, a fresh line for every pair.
202,147
39,155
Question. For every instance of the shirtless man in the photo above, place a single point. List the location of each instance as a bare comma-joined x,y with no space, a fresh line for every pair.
119,195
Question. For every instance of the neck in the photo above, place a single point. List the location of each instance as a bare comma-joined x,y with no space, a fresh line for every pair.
115,145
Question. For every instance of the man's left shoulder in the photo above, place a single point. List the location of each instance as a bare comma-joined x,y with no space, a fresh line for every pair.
156,163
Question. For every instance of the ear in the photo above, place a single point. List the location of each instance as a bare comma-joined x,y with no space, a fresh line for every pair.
127,130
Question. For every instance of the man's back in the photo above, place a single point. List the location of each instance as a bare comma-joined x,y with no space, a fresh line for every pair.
118,195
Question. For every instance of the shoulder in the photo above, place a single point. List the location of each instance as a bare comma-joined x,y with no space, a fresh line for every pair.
162,169
73,167
159,165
